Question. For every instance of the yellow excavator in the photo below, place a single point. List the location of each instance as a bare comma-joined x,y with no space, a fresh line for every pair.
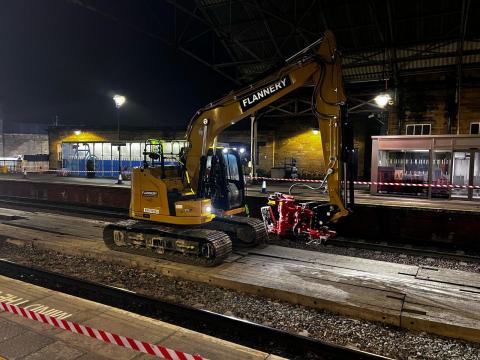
191,212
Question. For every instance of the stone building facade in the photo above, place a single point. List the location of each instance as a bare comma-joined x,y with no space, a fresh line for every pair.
432,100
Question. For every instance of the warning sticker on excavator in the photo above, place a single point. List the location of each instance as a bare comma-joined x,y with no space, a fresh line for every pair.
149,193
151,211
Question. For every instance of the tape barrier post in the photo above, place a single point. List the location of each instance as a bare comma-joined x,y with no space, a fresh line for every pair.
102,335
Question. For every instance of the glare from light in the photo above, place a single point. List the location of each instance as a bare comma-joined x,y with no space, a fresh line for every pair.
225,150
119,100
208,209
77,132
382,100
242,150
315,131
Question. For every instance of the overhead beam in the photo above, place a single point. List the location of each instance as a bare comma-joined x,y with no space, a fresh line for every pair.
155,36
396,60
294,30
208,22
269,31
297,28
392,48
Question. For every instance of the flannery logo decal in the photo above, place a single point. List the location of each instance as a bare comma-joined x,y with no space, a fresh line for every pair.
264,93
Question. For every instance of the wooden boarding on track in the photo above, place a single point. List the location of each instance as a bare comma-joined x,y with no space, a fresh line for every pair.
440,301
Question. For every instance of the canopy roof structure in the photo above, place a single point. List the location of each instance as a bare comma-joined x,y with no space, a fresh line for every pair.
380,39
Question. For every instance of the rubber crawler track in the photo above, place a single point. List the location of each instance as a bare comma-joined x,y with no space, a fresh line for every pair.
220,241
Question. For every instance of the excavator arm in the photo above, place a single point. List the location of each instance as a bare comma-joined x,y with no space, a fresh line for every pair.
319,66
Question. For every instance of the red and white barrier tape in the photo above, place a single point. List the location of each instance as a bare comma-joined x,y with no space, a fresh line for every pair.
69,172
285,180
443,186
65,171
105,336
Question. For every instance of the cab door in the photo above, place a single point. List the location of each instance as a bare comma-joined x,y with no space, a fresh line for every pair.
222,179
234,179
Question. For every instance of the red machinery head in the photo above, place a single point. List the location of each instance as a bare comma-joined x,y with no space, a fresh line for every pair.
305,221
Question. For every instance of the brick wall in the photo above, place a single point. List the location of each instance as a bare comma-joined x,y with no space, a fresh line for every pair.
431,100
279,141
295,139
282,139
469,109
24,144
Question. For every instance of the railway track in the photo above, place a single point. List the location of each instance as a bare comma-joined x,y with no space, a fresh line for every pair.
406,248
416,250
243,332
56,206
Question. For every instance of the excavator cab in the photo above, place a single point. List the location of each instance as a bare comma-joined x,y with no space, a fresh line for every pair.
222,180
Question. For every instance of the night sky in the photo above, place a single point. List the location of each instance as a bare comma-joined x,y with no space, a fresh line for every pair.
59,59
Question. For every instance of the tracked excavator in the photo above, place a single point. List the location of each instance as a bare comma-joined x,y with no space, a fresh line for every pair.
191,212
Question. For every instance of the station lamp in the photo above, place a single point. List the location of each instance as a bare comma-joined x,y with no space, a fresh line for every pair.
382,99
77,132
315,131
119,100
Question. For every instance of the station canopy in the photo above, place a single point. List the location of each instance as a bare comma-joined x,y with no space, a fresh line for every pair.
380,39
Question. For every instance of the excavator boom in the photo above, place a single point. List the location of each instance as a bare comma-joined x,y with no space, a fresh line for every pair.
319,65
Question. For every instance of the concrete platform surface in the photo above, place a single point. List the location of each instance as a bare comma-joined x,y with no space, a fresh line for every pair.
440,301
53,178
26,339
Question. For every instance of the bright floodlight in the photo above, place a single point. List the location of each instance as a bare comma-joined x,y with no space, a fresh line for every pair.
242,150
77,132
225,150
315,131
119,100
382,99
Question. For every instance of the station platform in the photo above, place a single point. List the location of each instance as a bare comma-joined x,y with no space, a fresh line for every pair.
377,218
362,196
439,301
27,339
53,178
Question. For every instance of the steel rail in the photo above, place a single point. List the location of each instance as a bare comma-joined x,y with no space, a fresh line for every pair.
404,248
52,205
